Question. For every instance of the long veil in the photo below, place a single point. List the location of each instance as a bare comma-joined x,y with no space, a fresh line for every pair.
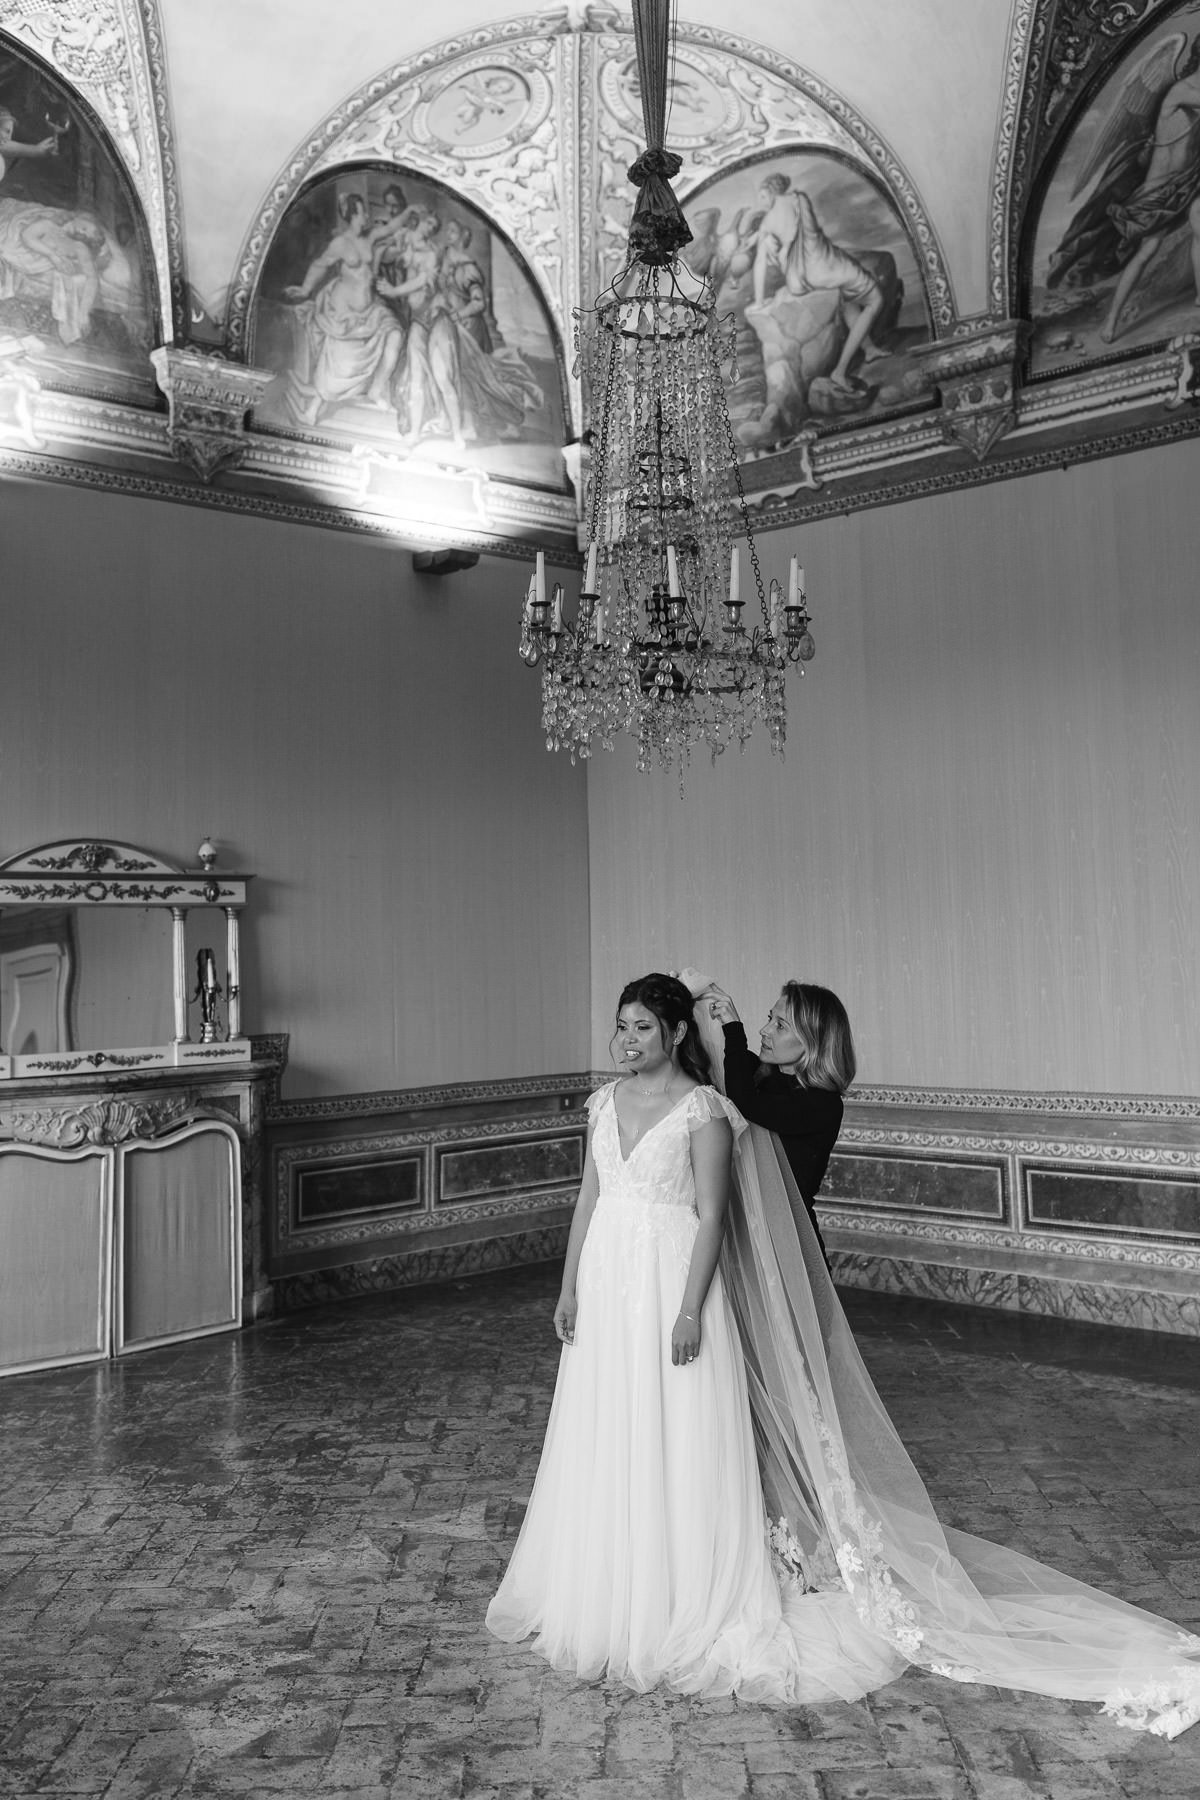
848,1509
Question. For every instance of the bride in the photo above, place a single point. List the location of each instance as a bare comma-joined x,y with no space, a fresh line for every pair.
722,1503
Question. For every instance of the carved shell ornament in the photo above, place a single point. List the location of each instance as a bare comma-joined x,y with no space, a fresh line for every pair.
102,1123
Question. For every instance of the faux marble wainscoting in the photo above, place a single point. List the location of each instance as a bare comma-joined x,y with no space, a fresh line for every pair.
1075,1206
1078,1206
370,1192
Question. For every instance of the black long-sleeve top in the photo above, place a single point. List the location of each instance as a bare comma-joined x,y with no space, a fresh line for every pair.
805,1119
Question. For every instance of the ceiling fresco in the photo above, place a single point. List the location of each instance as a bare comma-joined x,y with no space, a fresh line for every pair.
1116,255
78,298
251,260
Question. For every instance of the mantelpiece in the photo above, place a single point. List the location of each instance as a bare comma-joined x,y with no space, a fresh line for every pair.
131,1207
130,1148
71,880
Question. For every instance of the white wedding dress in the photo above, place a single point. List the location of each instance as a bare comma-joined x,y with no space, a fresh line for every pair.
644,1551
751,1522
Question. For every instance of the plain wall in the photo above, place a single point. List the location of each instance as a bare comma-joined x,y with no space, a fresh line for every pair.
986,832
363,738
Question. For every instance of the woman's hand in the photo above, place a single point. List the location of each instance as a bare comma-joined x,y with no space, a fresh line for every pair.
564,1317
685,1339
720,1006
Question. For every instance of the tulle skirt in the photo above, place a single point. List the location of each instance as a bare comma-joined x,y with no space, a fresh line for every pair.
644,1552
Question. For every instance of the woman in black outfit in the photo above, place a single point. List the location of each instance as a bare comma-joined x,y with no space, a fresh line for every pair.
794,1086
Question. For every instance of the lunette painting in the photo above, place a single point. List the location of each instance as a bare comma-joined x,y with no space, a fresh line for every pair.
77,292
816,265
394,315
1116,249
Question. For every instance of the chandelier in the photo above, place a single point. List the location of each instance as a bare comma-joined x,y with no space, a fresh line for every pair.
658,647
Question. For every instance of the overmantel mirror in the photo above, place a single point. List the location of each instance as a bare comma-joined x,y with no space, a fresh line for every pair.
99,967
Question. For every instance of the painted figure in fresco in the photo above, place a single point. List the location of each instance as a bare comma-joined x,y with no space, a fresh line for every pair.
64,264
349,342
791,251
1144,175
458,379
719,255
10,148
462,283
387,239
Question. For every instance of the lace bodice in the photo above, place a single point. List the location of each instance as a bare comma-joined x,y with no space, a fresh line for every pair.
658,1169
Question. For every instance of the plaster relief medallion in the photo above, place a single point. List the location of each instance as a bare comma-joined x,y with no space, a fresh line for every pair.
699,105
479,110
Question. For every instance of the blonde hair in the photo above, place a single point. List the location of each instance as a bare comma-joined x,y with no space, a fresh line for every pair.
820,1022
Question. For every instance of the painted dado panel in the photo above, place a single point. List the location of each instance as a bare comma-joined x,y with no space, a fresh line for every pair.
379,1191
928,1185
1081,1206
1090,1199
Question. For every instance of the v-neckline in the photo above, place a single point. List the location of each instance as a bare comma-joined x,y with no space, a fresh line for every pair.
640,1141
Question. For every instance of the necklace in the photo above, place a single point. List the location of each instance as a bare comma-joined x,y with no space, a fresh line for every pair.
653,1093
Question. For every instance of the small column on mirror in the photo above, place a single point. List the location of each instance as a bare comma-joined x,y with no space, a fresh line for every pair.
179,972
233,986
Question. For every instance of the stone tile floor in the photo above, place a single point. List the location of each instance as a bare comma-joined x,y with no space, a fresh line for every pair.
257,1565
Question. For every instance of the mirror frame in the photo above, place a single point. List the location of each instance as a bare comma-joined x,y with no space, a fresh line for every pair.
95,872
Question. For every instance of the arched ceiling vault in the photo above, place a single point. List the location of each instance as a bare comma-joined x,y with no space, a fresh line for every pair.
920,132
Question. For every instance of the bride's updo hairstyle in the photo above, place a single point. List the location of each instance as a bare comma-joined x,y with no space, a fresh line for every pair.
671,1003
819,1020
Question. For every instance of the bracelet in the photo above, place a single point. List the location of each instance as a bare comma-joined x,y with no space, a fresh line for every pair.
691,1316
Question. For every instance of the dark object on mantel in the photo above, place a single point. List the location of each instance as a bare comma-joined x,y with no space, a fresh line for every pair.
443,562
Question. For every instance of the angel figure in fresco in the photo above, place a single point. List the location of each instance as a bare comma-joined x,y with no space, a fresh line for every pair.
349,342
1142,180
722,255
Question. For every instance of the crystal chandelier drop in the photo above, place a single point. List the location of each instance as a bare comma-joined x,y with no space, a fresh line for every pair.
658,647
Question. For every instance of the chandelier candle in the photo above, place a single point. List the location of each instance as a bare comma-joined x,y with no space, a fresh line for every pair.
658,648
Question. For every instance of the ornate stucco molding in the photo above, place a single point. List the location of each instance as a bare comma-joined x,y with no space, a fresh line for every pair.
1025,38
1187,382
975,374
988,1239
349,1106
208,400
1016,1100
